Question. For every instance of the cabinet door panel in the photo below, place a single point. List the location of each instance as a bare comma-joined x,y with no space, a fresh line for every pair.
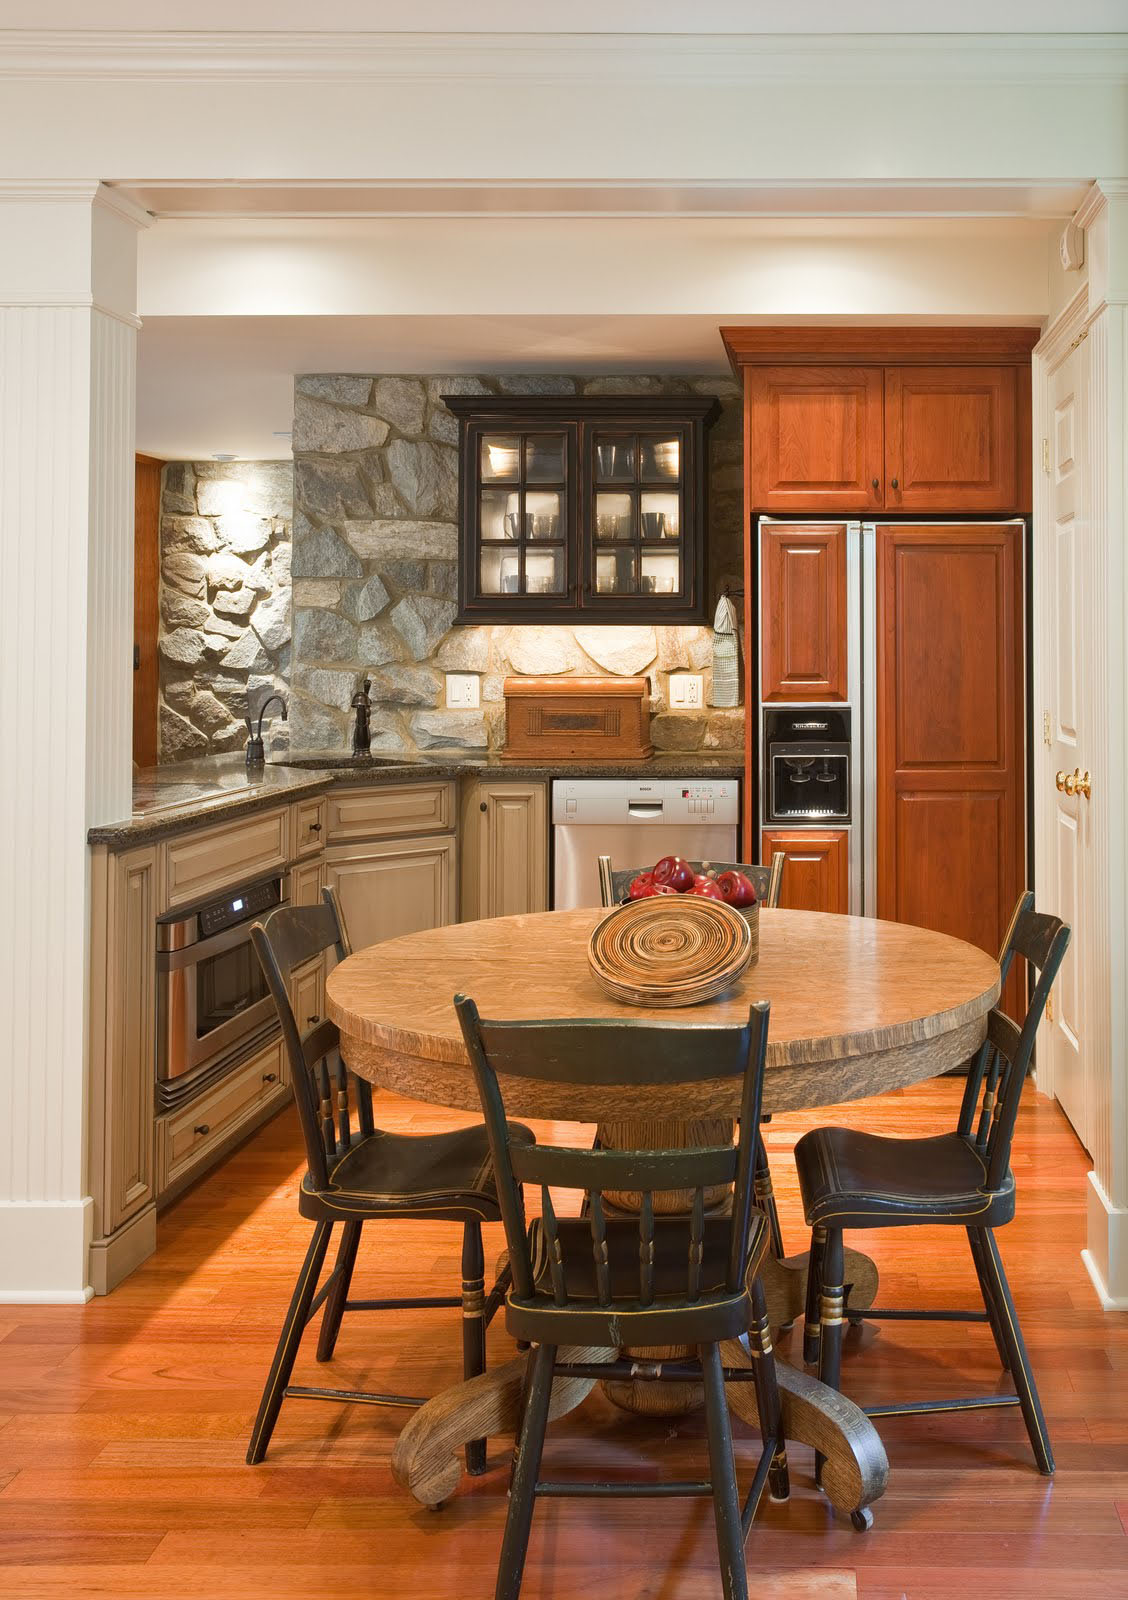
803,612
504,849
394,887
950,804
816,877
815,438
953,439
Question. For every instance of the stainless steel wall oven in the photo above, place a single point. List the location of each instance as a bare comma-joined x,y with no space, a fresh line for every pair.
213,1005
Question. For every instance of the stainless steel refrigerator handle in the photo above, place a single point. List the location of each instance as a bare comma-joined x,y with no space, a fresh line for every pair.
869,719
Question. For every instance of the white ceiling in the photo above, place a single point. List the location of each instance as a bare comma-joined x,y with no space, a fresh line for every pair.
580,16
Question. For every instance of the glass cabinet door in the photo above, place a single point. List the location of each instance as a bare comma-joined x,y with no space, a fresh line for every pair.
523,515
638,505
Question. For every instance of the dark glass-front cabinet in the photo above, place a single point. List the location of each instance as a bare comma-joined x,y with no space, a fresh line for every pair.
582,508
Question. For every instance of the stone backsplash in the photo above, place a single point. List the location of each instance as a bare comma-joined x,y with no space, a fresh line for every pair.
225,612
375,570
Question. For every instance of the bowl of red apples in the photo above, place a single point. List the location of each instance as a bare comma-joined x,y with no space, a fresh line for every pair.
675,875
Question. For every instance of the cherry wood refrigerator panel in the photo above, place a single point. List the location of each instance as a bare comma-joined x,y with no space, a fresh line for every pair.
816,875
816,438
803,616
950,728
955,439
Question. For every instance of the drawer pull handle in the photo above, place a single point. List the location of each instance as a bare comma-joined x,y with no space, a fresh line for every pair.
315,827
314,1020
270,1077
482,806
896,485
876,483
202,1128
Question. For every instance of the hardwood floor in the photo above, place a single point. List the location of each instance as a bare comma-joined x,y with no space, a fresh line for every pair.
123,1423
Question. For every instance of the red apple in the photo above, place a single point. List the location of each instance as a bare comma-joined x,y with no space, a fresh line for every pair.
662,888
706,888
641,887
661,870
737,890
682,876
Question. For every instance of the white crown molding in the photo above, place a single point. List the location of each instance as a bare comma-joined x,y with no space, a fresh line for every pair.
25,299
30,191
566,57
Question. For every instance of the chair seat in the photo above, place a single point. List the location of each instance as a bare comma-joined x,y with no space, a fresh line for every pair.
717,1314
442,1175
852,1179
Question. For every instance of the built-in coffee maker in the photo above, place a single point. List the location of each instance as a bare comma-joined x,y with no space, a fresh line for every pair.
807,764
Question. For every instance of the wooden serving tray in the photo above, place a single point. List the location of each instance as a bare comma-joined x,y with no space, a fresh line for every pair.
593,719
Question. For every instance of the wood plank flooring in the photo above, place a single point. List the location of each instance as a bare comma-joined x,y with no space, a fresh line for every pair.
123,1423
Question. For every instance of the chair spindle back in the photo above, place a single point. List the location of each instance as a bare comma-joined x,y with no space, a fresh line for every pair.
326,1093
994,1082
597,1053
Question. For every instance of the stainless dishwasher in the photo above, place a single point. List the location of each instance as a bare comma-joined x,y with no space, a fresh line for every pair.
635,821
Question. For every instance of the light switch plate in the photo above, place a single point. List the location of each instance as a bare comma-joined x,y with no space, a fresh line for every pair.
463,691
686,690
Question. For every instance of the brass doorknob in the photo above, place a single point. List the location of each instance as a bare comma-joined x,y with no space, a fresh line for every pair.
1061,780
1070,784
1082,784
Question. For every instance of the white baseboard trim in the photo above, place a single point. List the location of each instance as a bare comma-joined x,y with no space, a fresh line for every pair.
45,1297
1106,1255
45,1252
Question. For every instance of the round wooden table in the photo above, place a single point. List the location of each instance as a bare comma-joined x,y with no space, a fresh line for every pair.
858,1007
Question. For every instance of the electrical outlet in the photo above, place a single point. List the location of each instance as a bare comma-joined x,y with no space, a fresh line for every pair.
463,691
686,690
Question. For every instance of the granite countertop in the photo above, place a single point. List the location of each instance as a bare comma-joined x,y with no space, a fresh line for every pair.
185,794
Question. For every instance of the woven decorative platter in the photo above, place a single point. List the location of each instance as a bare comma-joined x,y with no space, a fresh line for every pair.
672,950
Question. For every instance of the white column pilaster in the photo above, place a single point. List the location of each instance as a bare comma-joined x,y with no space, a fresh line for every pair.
67,364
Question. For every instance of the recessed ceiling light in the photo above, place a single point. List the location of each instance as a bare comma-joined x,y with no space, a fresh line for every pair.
223,455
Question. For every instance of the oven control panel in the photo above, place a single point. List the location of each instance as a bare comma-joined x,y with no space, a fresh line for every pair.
241,906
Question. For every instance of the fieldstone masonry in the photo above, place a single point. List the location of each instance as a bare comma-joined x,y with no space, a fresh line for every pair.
224,601
375,570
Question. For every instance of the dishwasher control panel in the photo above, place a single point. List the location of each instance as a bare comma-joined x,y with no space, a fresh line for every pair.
608,801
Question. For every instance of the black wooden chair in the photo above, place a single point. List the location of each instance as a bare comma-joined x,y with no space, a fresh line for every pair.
358,1173
850,1179
614,882
613,886
609,1278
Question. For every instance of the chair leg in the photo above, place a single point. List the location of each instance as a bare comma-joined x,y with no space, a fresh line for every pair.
474,1327
1016,1349
339,1293
722,1472
989,1305
814,1281
765,1196
767,1395
526,1470
831,1317
288,1341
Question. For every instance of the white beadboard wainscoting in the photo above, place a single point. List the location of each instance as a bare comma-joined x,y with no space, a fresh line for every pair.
67,415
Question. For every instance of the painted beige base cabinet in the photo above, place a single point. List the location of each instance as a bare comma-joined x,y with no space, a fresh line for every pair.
388,886
504,838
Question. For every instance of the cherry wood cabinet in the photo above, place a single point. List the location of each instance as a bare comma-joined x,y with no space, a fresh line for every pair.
816,877
953,439
860,420
803,612
950,687
815,435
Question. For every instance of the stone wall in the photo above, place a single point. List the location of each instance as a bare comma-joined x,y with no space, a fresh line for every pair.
224,601
375,570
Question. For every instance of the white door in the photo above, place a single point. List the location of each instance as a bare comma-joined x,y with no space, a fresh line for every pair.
1065,742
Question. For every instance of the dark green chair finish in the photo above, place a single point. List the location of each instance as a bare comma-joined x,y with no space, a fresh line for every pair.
613,886
609,1279
850,1179
358,1173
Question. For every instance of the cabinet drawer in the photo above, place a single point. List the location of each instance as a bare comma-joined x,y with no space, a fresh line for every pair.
355,814
189,1138
307,991
233,852
305,884
309,826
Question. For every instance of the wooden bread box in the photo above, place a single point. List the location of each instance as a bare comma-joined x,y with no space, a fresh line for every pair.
561,719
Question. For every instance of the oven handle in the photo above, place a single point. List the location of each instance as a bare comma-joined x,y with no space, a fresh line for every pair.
226,939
